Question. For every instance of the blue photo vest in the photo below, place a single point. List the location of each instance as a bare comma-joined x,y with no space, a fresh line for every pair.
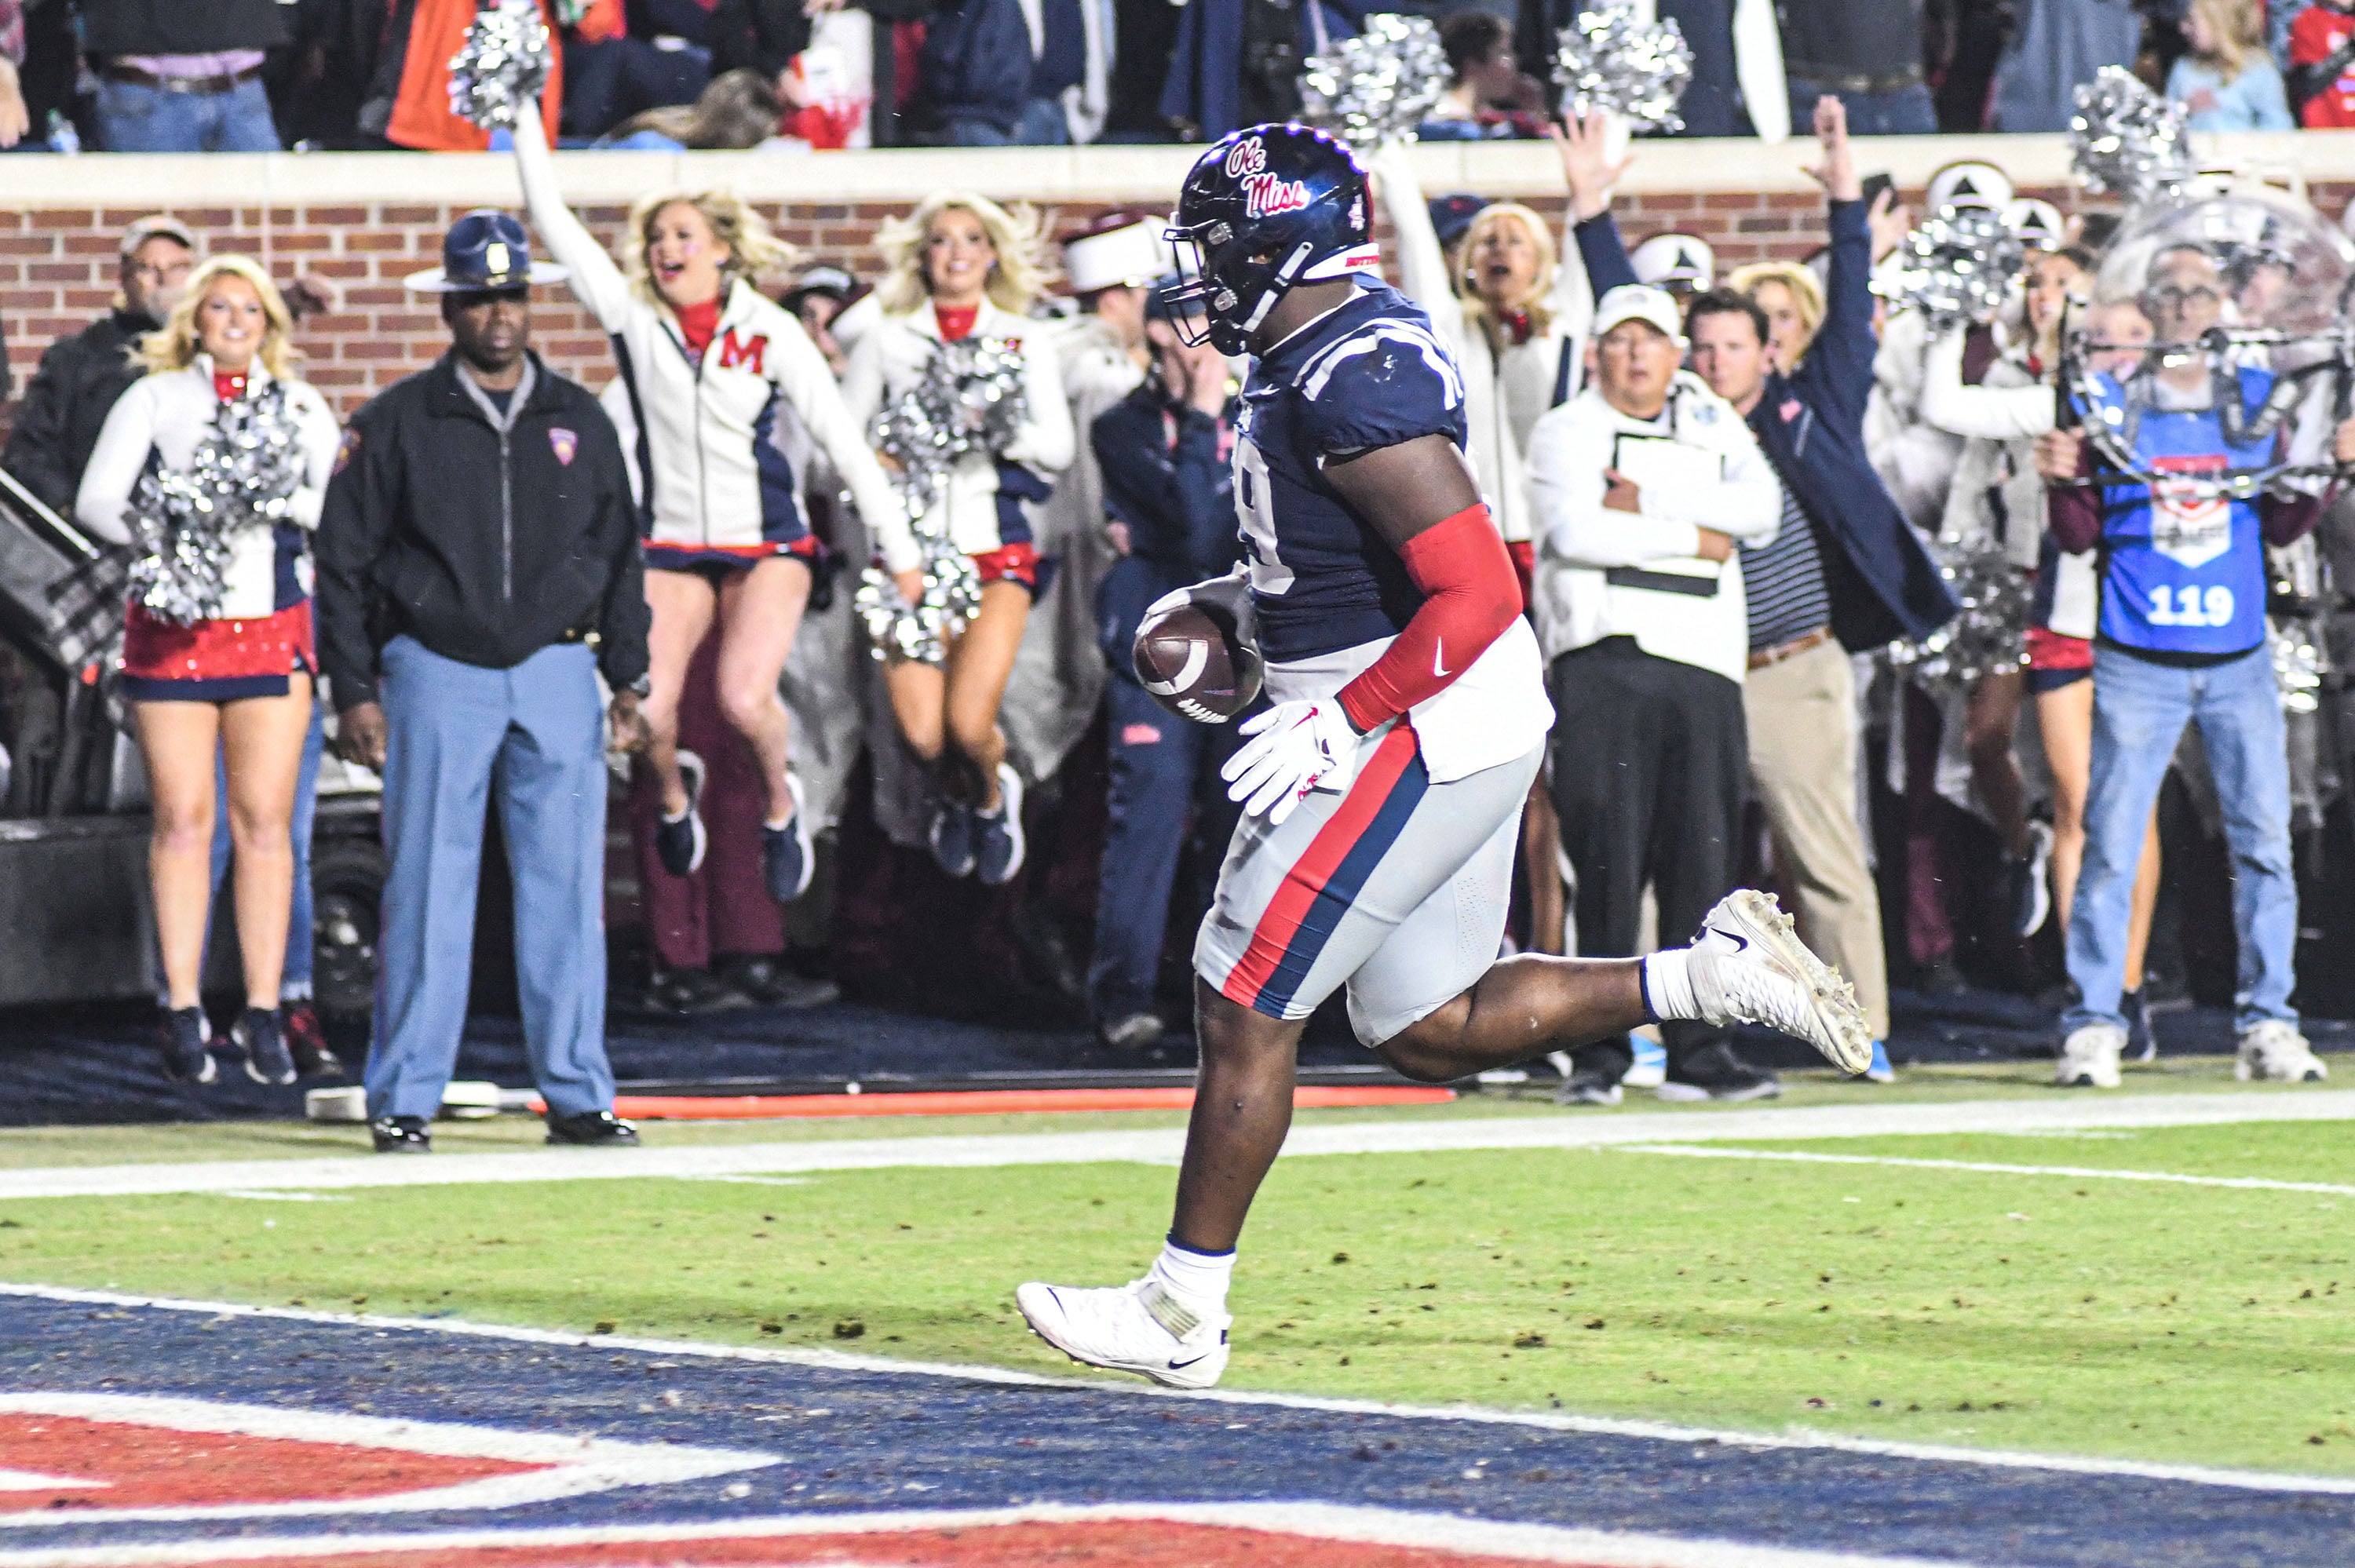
2185,567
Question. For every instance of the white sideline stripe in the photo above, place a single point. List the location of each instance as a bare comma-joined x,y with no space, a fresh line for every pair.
2267,1183
34,1481
1329,1521
1163,1145
576,1465
836,1360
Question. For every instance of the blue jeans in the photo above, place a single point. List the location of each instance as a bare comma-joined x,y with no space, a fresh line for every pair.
1908,111
1042,125
2139,712
538,729
294,984
135,118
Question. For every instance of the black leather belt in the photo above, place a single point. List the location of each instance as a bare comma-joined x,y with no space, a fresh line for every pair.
200,86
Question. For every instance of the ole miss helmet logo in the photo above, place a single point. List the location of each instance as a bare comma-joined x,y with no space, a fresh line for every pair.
565,443
1264,195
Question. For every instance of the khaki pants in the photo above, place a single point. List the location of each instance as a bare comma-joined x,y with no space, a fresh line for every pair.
1803,758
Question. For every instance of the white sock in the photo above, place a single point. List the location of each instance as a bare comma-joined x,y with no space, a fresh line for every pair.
1667,985
780,827
680,815
1197,1278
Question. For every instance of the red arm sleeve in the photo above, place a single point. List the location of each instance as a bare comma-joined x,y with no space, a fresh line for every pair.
1461,564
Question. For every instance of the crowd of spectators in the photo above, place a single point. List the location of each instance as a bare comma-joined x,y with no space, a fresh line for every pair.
260,75
1725,495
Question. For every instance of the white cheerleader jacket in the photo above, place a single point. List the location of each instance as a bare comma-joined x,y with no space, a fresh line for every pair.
1505,394
166,414
990,500
711,446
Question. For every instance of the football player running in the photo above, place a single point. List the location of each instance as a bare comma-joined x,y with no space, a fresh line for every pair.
1382,790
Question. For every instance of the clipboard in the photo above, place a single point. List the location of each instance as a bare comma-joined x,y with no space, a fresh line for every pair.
1648,461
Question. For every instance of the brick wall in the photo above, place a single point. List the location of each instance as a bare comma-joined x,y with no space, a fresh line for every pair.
57,255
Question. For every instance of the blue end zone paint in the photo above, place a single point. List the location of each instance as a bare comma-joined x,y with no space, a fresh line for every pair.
893,1440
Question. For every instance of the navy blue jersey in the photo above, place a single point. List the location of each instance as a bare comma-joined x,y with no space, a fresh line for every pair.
1367,375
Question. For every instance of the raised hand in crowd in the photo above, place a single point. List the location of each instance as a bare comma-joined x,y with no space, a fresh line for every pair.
1889,220
1836,173
14,118
1587,164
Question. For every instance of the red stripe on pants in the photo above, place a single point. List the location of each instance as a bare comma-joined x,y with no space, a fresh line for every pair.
1280,922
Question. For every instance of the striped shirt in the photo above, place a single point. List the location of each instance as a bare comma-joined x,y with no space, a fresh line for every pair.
1785,580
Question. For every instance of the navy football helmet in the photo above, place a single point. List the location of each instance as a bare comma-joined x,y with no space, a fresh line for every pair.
1263,210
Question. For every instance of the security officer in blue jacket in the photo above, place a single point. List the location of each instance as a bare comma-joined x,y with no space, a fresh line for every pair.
1164,451
478,567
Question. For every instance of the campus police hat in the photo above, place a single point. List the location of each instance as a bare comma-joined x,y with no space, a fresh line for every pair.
485,250
1675,262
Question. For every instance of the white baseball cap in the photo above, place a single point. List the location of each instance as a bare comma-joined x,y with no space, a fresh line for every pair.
1968,184
2038,224
1667,259
1129,256
1638,302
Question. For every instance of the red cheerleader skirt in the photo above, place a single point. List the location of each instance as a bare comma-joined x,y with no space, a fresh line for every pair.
215,661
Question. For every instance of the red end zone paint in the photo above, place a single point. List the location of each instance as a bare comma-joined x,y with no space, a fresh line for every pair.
127,1465
983,1102
1109,1543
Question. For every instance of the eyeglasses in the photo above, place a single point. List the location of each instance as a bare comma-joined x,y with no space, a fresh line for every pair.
2171,298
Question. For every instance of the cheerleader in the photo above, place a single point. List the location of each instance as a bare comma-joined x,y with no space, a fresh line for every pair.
239,681
962,266
1514,311
711,366
1997,500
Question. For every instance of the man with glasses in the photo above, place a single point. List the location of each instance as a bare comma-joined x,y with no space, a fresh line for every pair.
2181,639
80,376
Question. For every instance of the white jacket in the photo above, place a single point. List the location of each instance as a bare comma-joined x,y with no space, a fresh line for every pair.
711,433
1504,395
1594,562
890,357
167,414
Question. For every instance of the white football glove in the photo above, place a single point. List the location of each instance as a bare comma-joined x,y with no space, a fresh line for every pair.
1294,747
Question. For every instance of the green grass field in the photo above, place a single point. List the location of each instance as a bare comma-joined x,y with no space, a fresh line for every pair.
2052,1312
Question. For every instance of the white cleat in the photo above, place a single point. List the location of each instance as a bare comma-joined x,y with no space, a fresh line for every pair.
1750,967
2089,1057
2275,1052
1137,1328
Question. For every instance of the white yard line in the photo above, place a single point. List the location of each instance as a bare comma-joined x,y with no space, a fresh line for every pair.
836,1360
2264,1183
2061,1113
1322,1521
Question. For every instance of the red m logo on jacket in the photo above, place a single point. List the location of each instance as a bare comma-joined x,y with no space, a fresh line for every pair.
748,355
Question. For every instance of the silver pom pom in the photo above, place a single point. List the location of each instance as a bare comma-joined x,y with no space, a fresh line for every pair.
498,72
970,400
1376,87
2299,662
1956,266
1608,60
244,470
2129,140
1985,637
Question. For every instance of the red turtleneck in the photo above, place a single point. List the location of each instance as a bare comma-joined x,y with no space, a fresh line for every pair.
229,385
698,323
955,322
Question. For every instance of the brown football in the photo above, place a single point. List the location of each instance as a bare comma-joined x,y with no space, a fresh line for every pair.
1192,661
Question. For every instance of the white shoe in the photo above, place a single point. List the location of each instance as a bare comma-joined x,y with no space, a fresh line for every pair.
1137,1328
1749,967
2089,1057
2275,1052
